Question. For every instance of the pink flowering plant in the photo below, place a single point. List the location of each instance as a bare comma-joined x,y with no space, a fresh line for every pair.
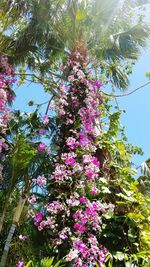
25,157
7,78
73,217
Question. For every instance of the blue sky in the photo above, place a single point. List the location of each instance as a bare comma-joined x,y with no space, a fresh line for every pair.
137,106
137,117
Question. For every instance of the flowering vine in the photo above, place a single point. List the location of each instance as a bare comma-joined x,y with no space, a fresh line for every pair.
73,215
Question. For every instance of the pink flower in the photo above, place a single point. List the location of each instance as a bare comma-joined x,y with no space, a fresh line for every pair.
71,142
94,191
71,78
75,101
41,147
74,253
41,180
62,236
42,131
82,200
20,264
39,217
45,119
62,87
70,161
69,121
22,237
95,161
32,200
80,74
89,174
54,207
98,84
61,111
80,228
76,226
62,102
2,84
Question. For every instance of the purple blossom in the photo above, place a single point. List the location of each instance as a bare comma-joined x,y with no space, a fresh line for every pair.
82,200
98,84
20,264
22,237
71,142
70,161
38,217
41,180
42,131
94,191
41,147
45,119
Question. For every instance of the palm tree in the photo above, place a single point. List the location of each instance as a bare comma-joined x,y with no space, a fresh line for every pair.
52,27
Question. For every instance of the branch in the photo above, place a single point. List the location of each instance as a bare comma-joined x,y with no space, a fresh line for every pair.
42,80
56,75
127,94
34,75
48,105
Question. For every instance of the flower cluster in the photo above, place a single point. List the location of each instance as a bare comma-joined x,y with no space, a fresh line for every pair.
41,180
6,94
85,254
89,217
45,120
42,147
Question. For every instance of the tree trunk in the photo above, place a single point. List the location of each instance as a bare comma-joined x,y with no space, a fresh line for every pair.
15,221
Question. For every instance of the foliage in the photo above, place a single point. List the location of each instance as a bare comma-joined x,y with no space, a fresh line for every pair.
46,262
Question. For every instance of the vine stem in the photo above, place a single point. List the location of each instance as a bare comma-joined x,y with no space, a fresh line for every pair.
48,105
127,94
61,77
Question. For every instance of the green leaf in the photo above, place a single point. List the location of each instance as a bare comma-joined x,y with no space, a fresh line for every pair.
59,263
119,256
47,262
30,263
